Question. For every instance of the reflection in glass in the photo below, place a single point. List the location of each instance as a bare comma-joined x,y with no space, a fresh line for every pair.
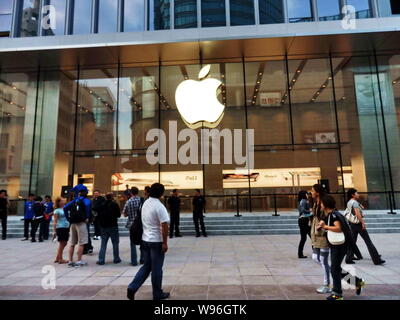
329,10
134,15
60,11
82,16
300,10
30,18
388,8
158,14
213,13
6,7
242,12
363,8
271,11
185,14
108,16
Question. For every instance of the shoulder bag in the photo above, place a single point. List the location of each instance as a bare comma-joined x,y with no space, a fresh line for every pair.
335,238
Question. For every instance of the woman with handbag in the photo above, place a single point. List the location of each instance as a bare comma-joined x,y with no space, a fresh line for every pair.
318,238
355,217
340,239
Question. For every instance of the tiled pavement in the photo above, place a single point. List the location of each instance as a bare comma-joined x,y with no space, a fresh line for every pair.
223,267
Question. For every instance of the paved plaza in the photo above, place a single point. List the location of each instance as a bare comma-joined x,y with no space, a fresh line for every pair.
220,267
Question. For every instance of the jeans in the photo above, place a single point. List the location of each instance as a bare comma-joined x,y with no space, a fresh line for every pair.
37,223
4,226
174,224
305,230
153,263
198,217
357,229
27,222
134,254
321,256
106,234
97,229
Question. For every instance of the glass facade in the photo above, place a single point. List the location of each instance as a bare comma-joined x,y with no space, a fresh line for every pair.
242,12
82,17
271,11
58,9
332,119
185,14
158,15
213,13
329,10
134,14
300,10
362,7
388,8
6,9
29,20
108,16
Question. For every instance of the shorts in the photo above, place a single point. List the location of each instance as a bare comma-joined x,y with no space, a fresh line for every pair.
62,234
79,234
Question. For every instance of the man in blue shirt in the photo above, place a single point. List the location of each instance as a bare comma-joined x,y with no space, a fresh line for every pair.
79,229
28,215
48,210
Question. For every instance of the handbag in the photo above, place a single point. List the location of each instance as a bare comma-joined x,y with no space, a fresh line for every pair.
335,238
349,215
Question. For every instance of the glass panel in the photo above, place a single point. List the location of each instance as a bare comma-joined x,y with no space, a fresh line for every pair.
329,10
185,14
363,8
82,16
30,18
159,14
242,12
59,23
17,116
97,104
6,8
108,15
213,13
134,15
361,129
388,8
271,11
299,10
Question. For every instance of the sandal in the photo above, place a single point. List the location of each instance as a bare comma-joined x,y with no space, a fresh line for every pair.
56,261
62,261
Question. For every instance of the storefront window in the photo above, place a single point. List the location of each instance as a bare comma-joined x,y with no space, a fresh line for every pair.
134,14
388,8
271,11
213,13
51,28
82,17
159,14
185,14
329,10
108,15
362,7
6,7
29,18
300,10
242,12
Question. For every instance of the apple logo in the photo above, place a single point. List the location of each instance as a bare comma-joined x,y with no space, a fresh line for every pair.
197,101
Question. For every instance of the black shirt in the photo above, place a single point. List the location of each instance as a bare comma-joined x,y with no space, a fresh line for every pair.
174,204
3,207
108,218
198,203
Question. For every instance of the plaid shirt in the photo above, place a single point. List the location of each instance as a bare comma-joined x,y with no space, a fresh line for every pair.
132,208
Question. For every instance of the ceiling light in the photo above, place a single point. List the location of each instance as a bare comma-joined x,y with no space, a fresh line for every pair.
15,88
394,82
298,71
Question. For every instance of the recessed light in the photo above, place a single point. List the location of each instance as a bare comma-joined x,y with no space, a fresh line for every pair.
298,71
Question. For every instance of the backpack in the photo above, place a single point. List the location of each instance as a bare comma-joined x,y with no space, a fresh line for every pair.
136,230
77,211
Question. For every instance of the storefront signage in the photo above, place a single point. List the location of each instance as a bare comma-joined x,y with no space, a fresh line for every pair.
270,99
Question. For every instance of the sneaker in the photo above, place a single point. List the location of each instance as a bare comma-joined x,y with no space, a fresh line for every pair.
130,294
164,295
324,290
96,238
100,263
335,297
117,261
24,239
80,264
71,264
360,286
302,257
134,264
178,236
33,240
380,262
90,251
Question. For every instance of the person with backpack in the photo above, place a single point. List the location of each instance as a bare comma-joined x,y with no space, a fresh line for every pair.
155,219
354,215
303,221
78,213
48,213
4,205
174,204
340,239
97,208
28,215
38,219
131,210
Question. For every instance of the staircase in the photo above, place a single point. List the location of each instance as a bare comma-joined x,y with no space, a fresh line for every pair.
255,224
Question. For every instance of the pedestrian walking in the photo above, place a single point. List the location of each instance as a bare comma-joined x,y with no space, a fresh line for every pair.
199,203
108,221
355,216
61,229
38,219
174,204
155,221
303,221
4,205
28,215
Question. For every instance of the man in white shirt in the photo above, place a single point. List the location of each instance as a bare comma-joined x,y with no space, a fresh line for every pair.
155,221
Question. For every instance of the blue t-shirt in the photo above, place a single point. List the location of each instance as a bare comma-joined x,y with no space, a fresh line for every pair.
62,221
29,210
48,208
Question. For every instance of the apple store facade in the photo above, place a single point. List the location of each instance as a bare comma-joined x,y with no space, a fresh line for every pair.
323,109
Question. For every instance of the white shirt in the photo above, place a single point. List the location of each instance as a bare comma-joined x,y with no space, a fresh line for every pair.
154,214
